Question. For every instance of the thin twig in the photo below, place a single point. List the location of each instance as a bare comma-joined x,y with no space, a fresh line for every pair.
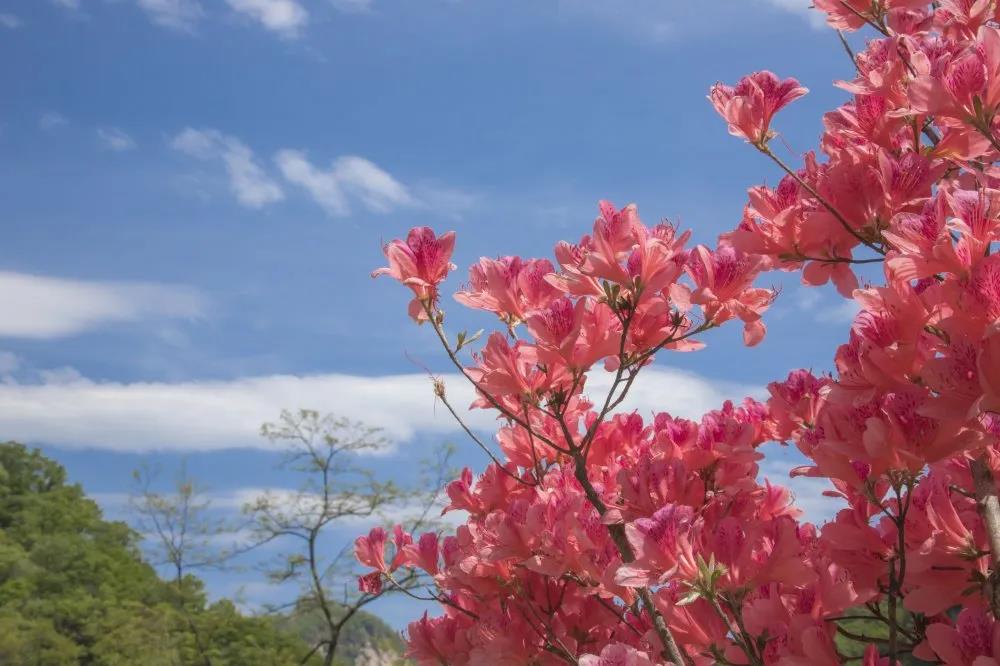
850,52
764,148
479,442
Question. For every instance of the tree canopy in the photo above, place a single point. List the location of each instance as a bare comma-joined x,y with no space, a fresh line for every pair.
75,589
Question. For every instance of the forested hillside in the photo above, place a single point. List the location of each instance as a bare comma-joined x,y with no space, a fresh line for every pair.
74,589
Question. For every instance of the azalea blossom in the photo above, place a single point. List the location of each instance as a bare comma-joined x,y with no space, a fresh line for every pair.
750,105
600,535
421,262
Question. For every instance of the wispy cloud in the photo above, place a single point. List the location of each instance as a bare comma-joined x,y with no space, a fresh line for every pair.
9,363
803,8
446,201
651,20
211,415
349,177
37,306
10,21
352,6
182,15
655,22
818,303
349,183
52,120
247,179
68,4
285,17
841,313
115,139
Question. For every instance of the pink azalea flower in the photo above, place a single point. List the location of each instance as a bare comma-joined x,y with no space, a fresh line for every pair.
617,654
750,105
370,550
724,280
421,262
973,641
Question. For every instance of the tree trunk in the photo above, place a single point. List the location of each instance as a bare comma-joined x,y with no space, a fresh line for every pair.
331,648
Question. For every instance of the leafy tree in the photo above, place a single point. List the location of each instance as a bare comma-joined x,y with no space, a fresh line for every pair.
75,590
361,634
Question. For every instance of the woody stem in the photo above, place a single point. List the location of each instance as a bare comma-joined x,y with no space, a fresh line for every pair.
762,147
671,650
989,508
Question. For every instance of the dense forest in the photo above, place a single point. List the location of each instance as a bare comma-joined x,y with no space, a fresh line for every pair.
75,589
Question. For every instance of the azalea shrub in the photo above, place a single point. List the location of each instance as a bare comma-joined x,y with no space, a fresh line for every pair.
598,536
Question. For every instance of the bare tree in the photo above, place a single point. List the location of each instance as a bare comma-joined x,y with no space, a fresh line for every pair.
179,525
336,488
182,532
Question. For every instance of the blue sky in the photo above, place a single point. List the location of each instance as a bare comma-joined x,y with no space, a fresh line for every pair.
193,194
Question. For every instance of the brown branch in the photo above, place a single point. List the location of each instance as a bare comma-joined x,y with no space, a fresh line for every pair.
866,19
620,615
849,50
670,649
453,356
739,634
839,260
440,394
764,148
989,508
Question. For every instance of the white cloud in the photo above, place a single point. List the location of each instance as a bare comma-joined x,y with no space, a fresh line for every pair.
210,415
175,14
294,500
10,21
350,180
807,492
47,307
350,177
286,17
51,120
68,4
247,179
115,139
63,375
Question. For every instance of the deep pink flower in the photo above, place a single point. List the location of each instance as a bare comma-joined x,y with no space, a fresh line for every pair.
370,583
421,262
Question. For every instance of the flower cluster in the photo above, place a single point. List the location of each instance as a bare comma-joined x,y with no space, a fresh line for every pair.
599,537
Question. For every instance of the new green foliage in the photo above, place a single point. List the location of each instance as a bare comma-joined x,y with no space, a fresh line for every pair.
74,589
